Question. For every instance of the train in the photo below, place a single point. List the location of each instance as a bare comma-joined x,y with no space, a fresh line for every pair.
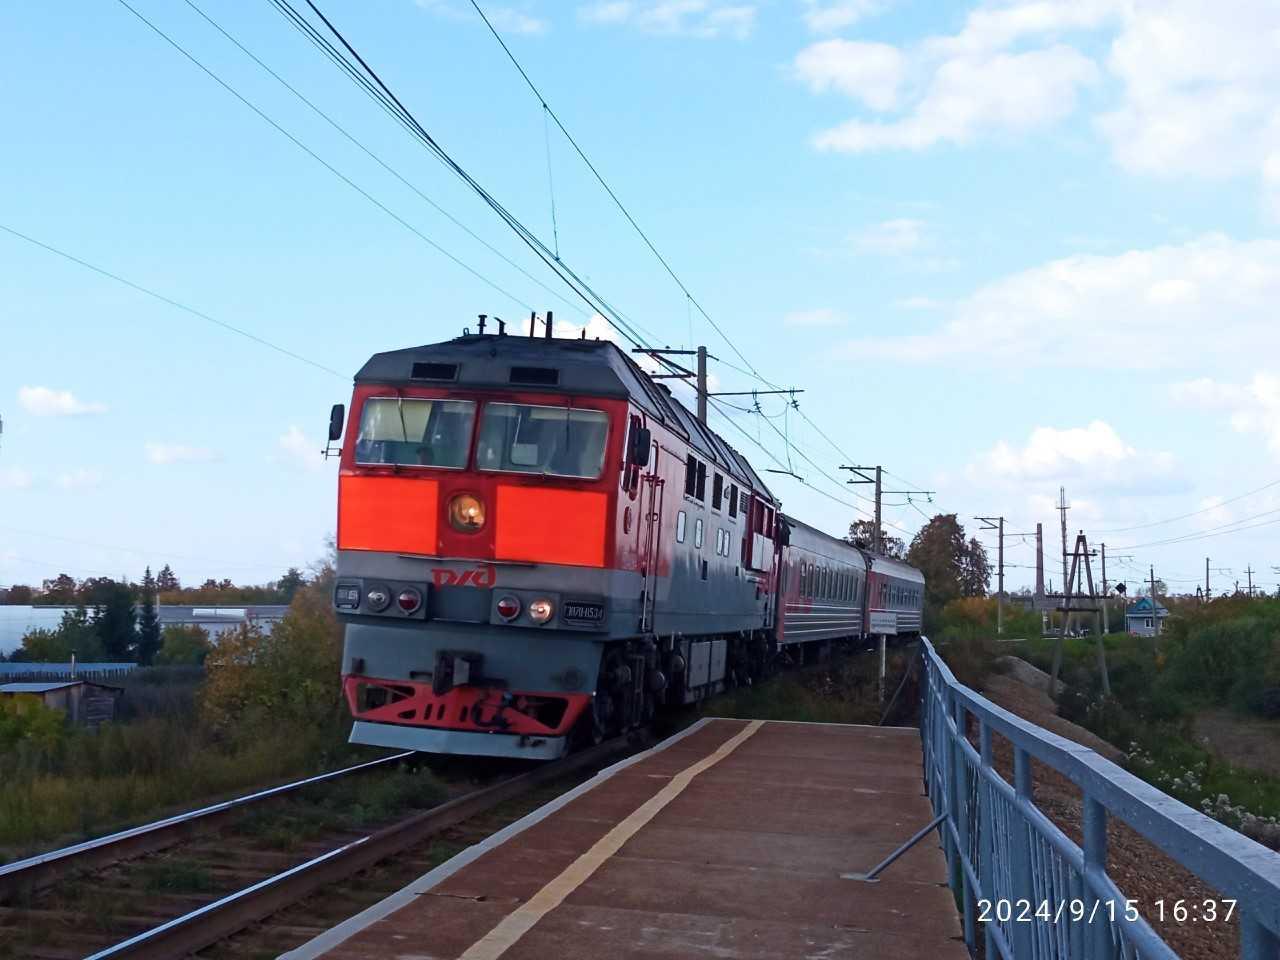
539,545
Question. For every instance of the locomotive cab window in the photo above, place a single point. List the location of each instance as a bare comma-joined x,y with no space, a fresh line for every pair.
733,500
691,476
413,432
553,441
717,492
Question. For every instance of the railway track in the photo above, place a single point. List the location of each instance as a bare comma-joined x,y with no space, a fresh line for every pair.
226,883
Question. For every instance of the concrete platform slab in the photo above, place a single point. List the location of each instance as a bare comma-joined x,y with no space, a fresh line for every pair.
727,841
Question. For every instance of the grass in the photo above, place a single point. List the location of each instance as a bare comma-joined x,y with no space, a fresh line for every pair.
844,690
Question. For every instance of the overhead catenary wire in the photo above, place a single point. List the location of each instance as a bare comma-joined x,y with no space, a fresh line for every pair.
382,163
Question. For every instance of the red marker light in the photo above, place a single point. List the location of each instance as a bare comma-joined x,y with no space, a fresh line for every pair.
409,600
508,608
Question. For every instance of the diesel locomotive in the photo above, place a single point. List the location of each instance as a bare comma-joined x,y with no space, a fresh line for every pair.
538,543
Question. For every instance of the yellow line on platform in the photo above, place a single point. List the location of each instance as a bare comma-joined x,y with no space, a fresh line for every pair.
517,923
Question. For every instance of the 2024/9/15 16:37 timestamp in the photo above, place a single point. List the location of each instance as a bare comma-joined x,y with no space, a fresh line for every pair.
1108,911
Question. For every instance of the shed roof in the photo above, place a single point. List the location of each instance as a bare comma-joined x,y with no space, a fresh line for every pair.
34,686
1142,608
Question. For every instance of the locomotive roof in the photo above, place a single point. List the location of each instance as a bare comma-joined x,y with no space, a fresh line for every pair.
559,365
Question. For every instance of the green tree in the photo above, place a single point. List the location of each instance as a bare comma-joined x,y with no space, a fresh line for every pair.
167,580
116,622
19,595
184,643
148,622
290,583
59,591
862,534
952,566
95,591
75,634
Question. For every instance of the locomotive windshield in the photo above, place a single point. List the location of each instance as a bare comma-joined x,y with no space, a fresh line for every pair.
414,432
557,441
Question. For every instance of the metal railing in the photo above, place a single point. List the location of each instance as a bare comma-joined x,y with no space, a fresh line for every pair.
1025,887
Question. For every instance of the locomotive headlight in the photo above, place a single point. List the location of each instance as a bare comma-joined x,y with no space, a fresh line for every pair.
378,598
409,600
540,610
466,513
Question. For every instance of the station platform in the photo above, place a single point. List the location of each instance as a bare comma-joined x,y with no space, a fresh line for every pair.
728,840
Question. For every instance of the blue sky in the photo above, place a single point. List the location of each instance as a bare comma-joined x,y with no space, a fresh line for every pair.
1002,246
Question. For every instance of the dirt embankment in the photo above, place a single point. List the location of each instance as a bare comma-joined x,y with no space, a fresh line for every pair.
1140,870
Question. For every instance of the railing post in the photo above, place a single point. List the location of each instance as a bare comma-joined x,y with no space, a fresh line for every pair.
1256,941
960,804
1020,934
1095,867
986,834
949,779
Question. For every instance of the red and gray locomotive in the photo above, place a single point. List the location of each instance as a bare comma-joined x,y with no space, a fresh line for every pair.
538,543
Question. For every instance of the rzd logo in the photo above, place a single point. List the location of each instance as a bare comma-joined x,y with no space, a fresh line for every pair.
484,575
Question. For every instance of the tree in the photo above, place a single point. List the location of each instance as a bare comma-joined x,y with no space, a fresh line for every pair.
148,622
95,591
184,643
61,590
75,634
290,583
952,566
167,580
116,622
19,595
862,534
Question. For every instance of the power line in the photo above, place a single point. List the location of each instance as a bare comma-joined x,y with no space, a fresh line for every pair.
549,111
170,301
1194,513
378,160
324,163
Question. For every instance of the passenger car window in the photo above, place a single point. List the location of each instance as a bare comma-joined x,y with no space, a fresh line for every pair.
555,441
414,432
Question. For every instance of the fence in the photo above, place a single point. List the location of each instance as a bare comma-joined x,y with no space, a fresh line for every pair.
1043,897
64,671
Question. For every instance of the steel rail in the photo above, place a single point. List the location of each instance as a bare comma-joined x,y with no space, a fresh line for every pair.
216,921
44,869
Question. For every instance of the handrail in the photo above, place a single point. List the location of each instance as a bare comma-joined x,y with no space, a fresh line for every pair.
1002,849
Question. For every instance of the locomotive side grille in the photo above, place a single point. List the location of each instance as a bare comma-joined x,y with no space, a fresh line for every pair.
537,376
434,371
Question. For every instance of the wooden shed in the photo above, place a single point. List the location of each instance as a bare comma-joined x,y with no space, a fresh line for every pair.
83,702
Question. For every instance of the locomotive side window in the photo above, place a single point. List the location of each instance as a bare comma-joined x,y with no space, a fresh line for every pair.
691,476
717,492
733,500
555,441
702,481
697,533
414,432
680,527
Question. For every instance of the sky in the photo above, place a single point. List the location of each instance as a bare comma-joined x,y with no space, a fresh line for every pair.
1002,247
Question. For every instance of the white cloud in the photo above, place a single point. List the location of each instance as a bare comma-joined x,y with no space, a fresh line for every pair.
870,72
1251,408
504,19
170,453
1198,92
47,402
828,16
969,96
1191,92
890,237
1094,458
1138,309
300,450
80,479
820,317
691,18
14,478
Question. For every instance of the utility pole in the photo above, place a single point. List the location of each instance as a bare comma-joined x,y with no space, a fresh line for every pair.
997,523
863,475
1106,594
1062,510
1155,615
697,375
1249,571
1207,595
1081,567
